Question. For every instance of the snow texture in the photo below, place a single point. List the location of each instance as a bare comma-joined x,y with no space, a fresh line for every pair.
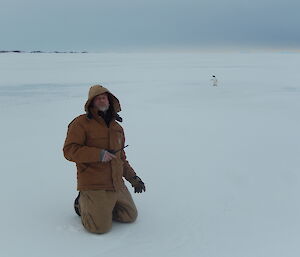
221,164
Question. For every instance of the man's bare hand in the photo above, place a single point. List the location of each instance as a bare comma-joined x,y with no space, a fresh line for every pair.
106,156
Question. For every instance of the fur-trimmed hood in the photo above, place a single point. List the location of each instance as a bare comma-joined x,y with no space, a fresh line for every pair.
98,90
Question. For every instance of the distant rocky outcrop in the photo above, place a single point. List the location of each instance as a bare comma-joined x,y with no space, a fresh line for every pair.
12,51
40,52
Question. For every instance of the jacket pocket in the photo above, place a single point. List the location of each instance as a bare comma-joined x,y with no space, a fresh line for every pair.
81,167
117,139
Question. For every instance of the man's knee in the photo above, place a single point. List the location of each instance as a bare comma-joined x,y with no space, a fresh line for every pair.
96,224
125,216
132,217
101,230
98,229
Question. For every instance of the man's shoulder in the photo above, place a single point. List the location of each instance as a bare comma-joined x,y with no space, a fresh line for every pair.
117,126
79,120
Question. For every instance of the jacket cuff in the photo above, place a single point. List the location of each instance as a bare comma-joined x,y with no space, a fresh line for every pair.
101,155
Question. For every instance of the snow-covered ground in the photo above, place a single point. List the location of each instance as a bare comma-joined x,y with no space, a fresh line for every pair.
221,164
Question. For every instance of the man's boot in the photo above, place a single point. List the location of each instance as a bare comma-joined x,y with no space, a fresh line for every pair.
76,205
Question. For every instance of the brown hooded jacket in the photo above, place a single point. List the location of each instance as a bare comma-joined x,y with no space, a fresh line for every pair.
87,136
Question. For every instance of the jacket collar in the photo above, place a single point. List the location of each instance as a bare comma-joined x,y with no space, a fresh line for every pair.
93,113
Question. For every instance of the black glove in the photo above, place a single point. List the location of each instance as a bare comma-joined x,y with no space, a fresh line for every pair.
138,184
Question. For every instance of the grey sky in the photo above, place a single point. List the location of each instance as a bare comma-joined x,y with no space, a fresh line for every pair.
97,25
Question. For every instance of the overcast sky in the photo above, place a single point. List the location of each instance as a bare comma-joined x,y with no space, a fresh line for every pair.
101,25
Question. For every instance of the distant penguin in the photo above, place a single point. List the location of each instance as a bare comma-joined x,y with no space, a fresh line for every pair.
214,81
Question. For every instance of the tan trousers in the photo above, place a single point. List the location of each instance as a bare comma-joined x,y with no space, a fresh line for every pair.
99,207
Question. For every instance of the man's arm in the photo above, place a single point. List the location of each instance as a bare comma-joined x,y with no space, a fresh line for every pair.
75,149
128,171
130,175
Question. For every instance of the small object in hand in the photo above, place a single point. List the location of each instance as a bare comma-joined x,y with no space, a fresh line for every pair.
115,151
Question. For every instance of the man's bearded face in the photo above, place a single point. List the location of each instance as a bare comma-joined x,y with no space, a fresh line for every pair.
101,102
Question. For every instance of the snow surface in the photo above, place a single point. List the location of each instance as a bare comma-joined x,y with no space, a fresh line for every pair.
221,164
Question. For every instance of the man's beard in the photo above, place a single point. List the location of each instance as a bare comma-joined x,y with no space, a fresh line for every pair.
103,108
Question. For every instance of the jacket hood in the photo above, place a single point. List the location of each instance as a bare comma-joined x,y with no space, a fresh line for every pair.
98,90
